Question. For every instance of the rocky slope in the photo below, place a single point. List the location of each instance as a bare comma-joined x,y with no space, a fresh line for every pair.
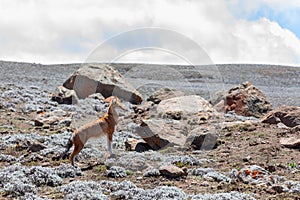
248,162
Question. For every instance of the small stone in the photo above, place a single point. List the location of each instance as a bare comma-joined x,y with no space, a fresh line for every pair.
34,147
271,168
171,171
228,134
247,159
279,188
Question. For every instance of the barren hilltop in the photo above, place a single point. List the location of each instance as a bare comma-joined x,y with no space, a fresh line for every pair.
188,132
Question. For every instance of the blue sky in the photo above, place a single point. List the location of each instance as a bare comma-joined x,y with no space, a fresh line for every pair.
287,17
229,31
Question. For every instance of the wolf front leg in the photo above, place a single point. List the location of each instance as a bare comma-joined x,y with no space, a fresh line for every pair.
109,144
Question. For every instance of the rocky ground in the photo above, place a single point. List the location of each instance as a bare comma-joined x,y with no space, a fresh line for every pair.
249,161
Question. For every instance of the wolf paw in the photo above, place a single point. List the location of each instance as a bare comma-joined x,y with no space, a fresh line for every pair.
108,155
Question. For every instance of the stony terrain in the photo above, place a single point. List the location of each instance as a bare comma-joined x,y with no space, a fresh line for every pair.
249,161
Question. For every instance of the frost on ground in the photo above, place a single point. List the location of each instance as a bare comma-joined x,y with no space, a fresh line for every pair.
224,196
83,190
122,190
128,190
210,174
18,180
116,172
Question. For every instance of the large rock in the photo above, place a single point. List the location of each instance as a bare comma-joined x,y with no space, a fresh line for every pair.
245,100
163,94
101,78
188,105
169,122
158,133
288,115
201,138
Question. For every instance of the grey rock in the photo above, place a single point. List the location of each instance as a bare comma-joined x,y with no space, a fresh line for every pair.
101,78
203,139
188,105
162,133
288,115
163,94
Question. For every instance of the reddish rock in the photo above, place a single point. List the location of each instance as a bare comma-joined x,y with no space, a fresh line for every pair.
288,115
245,100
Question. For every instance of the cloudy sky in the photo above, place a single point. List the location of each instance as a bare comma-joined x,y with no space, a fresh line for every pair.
222,31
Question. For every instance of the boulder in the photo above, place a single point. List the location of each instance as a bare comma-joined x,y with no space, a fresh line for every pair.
187,105
288,115
101,78
245,100
169,122
158,133
201,139
163,94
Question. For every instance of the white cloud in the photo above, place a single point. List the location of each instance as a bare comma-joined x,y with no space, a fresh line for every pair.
67,31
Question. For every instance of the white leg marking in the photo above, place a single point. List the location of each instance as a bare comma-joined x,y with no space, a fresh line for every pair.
109,147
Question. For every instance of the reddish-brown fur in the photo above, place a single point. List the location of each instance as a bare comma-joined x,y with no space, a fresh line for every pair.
105,126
